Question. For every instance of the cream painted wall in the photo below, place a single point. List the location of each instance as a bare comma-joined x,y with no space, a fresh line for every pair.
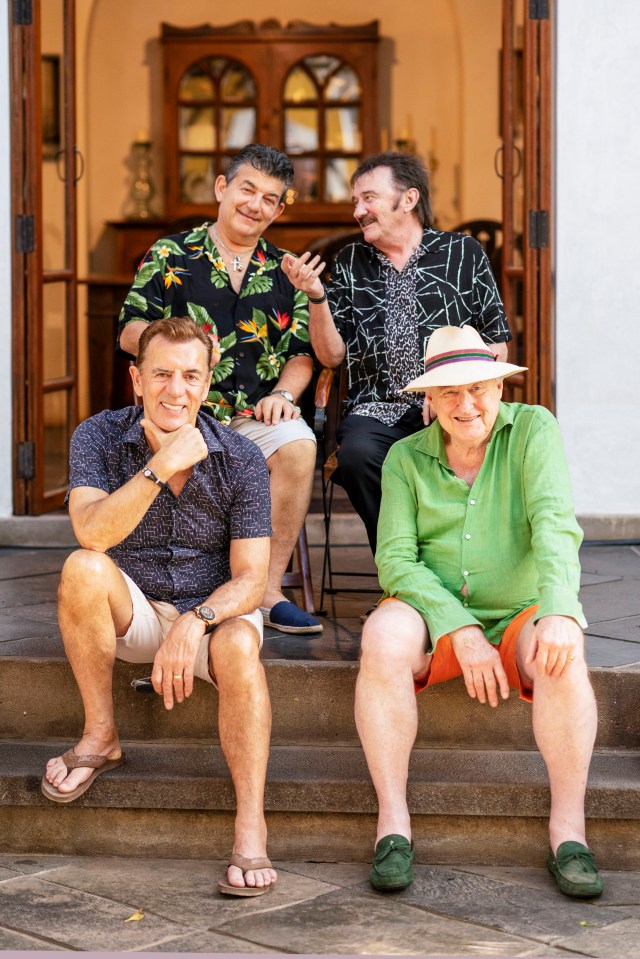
597,273
448,103
6,386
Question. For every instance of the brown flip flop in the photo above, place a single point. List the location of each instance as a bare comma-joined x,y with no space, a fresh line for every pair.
247,865
99,765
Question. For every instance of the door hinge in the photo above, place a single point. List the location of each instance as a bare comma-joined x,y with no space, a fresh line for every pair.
538,9
538,229
25,233
26,460
23,13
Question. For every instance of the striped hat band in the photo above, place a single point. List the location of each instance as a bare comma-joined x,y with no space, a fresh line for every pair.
459,356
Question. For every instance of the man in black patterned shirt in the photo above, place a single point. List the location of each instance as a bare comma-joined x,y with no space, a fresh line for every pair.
387,295
172,512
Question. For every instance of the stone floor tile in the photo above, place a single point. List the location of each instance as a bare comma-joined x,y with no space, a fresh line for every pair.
14,626
17,563
614,560
44,612
206,942
352,922
627,628
541,914
30,863
611,653
11,941
36,647
337,873
14,592
620,940
76,919
611,601
181,890
620,888
591,579
7,873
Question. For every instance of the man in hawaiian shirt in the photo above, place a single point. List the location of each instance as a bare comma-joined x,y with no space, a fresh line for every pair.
227,278
387,295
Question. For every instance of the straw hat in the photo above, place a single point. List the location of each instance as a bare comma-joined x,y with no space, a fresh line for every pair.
457,355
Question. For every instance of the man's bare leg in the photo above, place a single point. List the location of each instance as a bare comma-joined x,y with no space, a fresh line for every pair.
393,642
291,482
94,606
564,725
244,721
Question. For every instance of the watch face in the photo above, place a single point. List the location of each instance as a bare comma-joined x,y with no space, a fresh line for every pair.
206,613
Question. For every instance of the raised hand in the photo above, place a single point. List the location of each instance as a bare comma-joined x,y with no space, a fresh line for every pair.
304,273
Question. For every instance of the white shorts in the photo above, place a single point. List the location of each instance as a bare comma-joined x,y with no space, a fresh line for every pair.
152,621
271,438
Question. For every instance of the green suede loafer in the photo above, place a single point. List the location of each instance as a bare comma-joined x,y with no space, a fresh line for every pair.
575,871
391,867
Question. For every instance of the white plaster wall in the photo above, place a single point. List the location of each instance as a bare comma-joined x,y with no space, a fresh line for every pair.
598,270
6,495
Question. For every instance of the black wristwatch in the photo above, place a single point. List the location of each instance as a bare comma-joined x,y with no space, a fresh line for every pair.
205,614
287,395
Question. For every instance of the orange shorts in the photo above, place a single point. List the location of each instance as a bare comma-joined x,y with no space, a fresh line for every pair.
445,666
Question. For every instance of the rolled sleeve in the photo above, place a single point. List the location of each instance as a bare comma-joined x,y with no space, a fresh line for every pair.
555,534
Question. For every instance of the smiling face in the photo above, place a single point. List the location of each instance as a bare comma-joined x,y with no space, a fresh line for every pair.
381,208
467,413
173,382
249,203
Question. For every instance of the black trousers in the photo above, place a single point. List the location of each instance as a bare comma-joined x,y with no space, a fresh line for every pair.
364,443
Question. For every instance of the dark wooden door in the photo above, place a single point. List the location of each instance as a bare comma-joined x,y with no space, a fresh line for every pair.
524,162
45,168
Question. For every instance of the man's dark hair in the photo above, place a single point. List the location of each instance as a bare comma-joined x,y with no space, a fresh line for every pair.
176,329
408,172
267,160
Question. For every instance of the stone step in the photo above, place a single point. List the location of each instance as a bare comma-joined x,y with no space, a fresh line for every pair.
312,703
171,799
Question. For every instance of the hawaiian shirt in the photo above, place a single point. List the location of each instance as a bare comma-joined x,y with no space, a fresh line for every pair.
256,330
385,316
179,552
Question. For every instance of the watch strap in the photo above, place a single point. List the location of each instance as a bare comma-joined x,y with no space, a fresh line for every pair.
287,395
150,475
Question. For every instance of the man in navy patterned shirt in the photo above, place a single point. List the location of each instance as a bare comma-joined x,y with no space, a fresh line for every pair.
172,512
388,294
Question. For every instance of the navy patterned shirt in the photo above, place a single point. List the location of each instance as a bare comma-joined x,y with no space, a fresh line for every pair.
385,316
179,552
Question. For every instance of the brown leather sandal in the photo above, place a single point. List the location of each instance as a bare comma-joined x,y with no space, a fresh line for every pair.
247,865
99,764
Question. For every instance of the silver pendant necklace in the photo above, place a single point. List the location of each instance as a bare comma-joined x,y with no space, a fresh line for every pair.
236,258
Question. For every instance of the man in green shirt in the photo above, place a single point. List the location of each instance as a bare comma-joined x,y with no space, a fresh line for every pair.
478,559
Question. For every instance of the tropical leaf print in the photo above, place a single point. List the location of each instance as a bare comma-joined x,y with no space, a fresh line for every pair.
145,273
137,300
222,370
201,316
163,248
270,365
257,283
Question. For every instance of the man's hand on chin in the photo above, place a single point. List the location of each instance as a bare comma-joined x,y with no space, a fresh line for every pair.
177,450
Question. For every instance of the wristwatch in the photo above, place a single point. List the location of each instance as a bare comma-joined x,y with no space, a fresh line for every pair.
205,614
287,395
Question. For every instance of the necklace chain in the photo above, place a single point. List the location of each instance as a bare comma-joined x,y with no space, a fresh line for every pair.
236,257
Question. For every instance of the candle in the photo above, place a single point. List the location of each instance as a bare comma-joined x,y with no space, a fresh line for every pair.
142,136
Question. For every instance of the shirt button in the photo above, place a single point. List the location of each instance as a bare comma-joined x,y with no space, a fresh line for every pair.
465,603
240,354
472,501
467,536
240,386
465,572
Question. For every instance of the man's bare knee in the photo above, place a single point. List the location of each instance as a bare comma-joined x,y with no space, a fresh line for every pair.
234,650
86,573
296,458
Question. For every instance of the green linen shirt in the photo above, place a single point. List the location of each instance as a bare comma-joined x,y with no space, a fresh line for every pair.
512,538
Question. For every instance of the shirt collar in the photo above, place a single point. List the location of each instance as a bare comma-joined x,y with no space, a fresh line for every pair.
432,241
431,440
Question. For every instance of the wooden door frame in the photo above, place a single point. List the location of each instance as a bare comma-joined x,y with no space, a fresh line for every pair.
29,494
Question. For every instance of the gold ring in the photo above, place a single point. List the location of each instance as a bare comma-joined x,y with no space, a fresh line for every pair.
177,675
571,657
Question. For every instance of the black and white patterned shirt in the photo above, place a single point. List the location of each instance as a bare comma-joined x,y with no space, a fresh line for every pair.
179,552
386,317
